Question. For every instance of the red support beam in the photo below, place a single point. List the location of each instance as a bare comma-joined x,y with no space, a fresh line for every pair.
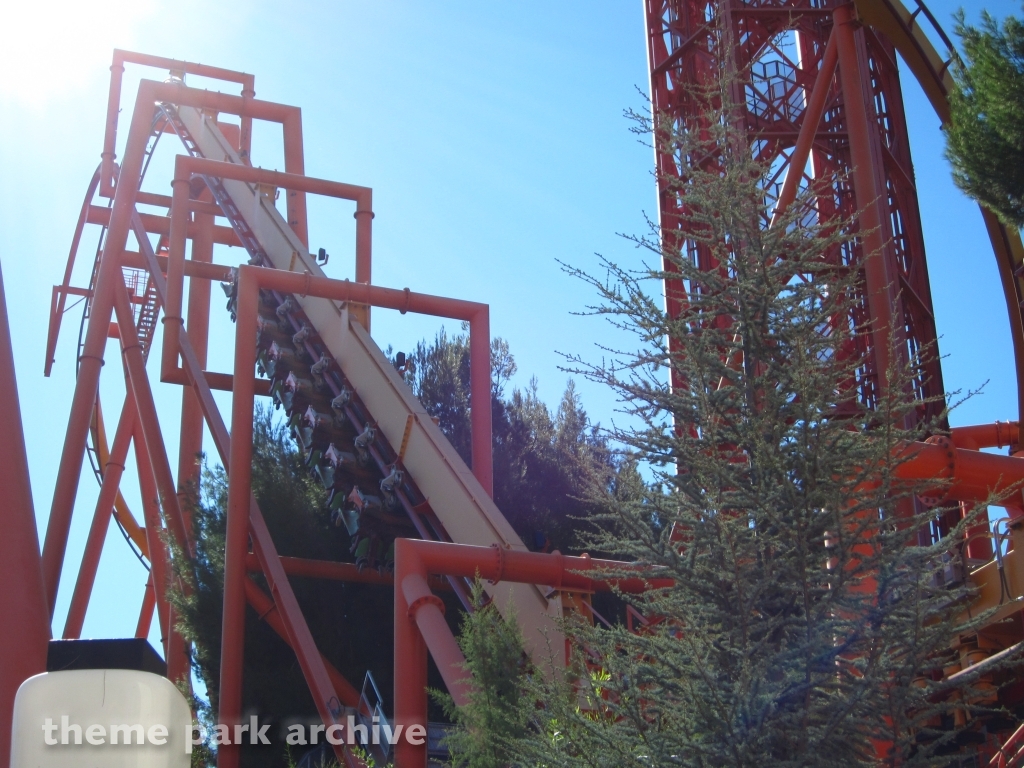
23,601
410,659
962,474
236,540
427,611
870,193
301,640
193,268
100,520
161,225
809,128
146,611
108,279
180,219
191,432
333,570
164,201
159,563
997,435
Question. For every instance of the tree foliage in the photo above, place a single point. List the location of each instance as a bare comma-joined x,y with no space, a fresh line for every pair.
985,132
806,623
350,622
499,711
542,460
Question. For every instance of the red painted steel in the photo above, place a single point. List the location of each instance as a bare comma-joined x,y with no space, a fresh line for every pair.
419,624
300,639
146,611
180,219
100,521
191,433
427,611
23,598
87,384
161,225
159,561
478,316
236,540
820,99
998,435
333,570
859,151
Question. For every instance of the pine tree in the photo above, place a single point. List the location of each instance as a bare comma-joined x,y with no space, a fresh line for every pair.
806,625
985,133
499,711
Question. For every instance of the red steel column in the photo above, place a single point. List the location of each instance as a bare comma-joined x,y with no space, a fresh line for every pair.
175,275
236,544
364,247
23,641
108,279
159,566
870,193
146,612
294,162
149,424
480,397
191,441
100,520
410,664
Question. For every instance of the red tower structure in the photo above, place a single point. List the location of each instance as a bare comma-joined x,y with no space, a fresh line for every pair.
818,94
841,129
816,91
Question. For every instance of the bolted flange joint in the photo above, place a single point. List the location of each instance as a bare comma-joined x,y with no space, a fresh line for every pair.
419,602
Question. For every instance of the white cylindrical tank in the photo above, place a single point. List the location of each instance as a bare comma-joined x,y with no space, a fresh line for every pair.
100,718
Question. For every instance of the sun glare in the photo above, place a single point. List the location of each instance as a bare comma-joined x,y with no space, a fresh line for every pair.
48,48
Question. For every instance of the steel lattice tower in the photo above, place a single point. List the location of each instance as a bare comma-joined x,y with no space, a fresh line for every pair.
841,128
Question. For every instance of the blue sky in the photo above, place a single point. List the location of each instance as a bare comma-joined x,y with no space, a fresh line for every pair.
493,137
